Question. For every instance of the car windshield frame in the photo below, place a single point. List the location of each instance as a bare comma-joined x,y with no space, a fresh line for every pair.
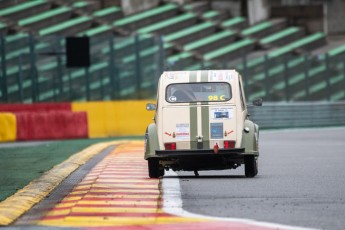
191,88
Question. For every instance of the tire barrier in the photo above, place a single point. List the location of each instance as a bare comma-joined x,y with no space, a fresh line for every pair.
43,121
51,125
128,118
8,127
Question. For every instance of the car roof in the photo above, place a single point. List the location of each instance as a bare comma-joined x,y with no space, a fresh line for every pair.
169,77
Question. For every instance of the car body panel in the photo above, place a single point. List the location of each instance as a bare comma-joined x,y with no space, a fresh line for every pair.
210,115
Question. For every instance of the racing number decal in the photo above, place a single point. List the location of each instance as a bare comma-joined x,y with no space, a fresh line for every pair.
216,98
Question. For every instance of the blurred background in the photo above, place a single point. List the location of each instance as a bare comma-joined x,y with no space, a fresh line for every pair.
286,50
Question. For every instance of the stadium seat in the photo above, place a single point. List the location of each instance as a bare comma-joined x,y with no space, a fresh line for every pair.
125,47
282,37
197,6
234,23
50,17
43,19
69,27
213,15
262,29
194,36
25,9
191,33
97,31
232,51
307,43
337,51
6,4
170,25
211,42
147,17
181,60
109,14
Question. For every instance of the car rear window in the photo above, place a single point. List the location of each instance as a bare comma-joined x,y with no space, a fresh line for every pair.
198,92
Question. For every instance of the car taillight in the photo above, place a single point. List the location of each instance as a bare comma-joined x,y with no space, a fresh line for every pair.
170,146
229,144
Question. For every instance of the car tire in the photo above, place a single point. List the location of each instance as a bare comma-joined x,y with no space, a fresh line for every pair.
153,166
161,172
250,166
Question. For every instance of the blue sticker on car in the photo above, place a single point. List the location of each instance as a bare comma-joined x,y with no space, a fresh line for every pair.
216,130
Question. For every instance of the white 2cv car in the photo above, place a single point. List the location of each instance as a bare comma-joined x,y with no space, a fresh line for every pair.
201,123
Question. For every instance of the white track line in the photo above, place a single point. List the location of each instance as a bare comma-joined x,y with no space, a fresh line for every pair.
172,204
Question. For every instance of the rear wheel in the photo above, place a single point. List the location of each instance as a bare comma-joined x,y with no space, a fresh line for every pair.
161,172
250,166
153,165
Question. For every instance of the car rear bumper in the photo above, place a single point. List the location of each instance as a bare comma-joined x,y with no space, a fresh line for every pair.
190,160
199,153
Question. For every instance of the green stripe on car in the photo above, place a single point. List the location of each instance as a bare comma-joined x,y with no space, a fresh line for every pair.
205,116
205,121
193,116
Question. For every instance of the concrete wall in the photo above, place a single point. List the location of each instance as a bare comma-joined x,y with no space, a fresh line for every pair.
258,10
180,1
134,6
308,16
330,20
335,11
232,6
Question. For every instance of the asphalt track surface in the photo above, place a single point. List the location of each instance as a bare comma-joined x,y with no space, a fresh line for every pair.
300,182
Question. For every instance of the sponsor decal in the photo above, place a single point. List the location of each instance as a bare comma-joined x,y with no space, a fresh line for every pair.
216,130
177,75
172,99
182,132
220,75
221,113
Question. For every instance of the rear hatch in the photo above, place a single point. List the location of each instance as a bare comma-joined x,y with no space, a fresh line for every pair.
199,126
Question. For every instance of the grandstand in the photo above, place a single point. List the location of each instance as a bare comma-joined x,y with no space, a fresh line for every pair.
279,60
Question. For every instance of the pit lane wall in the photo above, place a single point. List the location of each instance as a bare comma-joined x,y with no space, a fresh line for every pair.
46,121
49,121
